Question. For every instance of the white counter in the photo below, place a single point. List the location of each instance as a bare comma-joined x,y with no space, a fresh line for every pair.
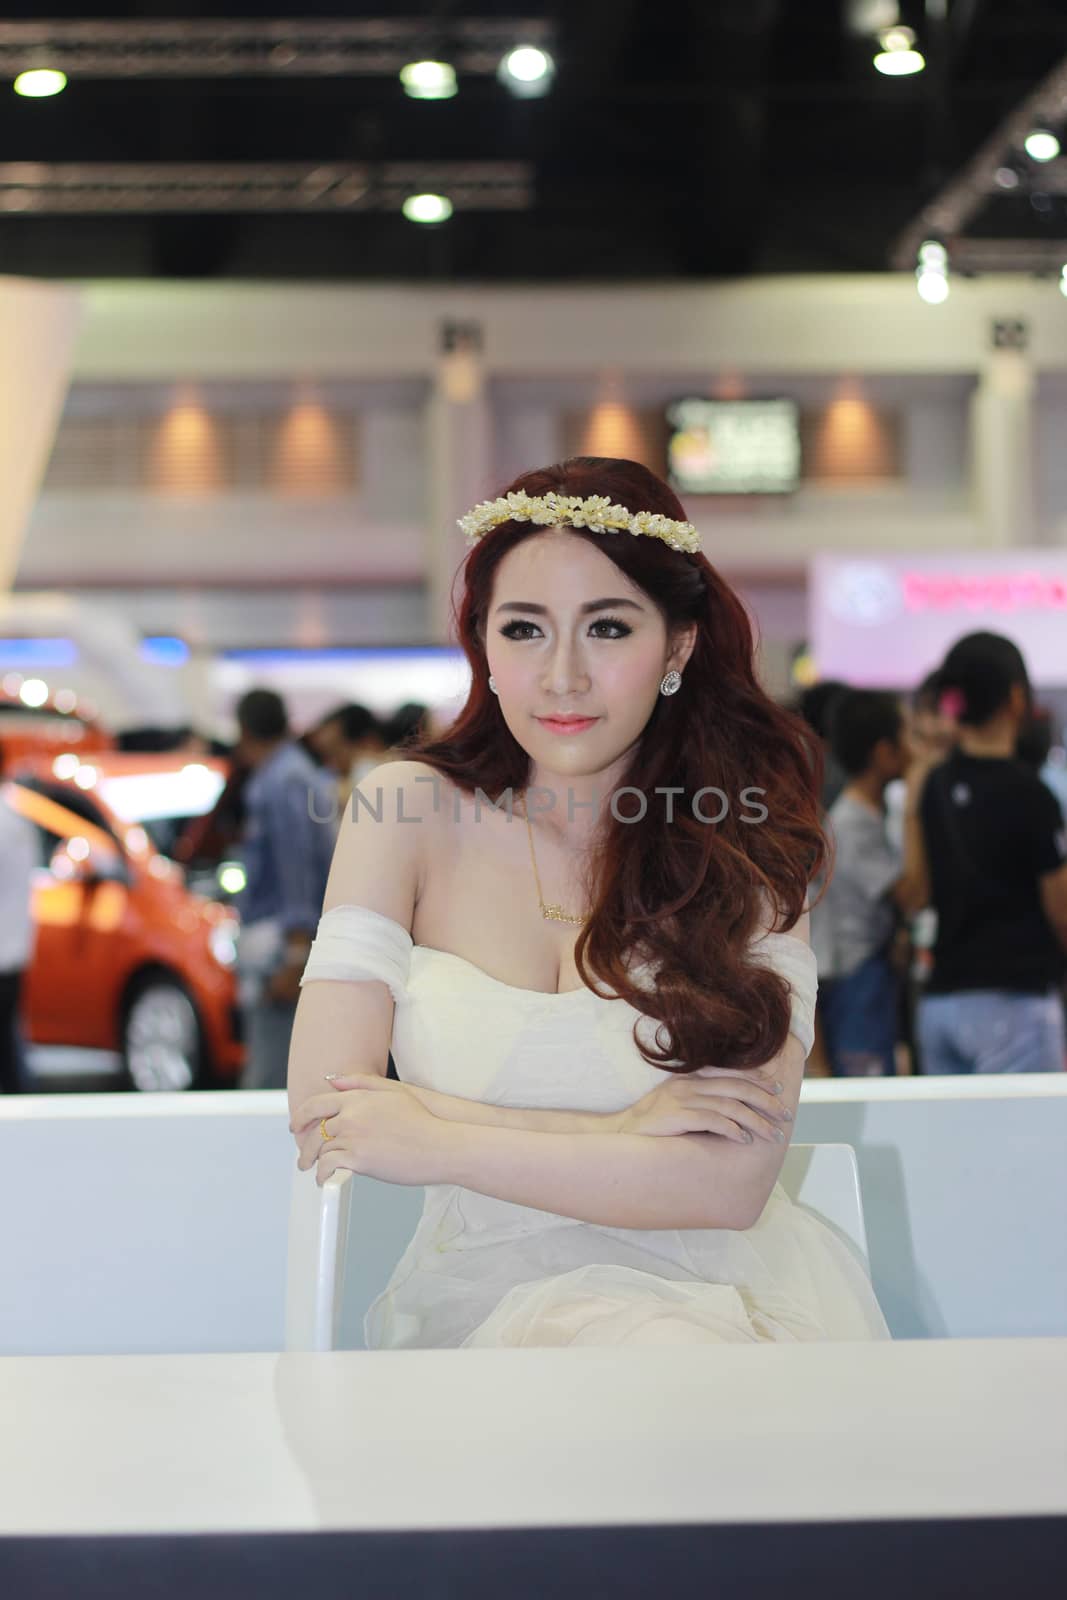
494,1439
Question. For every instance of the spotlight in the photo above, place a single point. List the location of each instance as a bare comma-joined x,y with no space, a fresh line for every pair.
931,274
1006,178
429,80
527,71
39,82
1041,144
933,256
898,57
427,208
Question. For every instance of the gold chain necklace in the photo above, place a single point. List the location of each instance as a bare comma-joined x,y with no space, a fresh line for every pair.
551,913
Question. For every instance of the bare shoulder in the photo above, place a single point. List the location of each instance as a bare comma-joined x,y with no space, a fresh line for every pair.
381,852
416,781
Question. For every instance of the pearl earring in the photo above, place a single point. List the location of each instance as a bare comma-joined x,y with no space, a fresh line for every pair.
492,684
672,682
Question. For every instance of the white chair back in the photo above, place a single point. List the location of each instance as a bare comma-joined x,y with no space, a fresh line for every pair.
326,1289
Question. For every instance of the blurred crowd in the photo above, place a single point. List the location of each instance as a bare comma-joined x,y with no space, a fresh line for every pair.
939,925
940,930
280,812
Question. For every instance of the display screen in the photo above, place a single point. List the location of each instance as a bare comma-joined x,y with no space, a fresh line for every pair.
734,446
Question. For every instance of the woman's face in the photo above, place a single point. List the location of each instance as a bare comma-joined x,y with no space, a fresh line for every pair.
555,648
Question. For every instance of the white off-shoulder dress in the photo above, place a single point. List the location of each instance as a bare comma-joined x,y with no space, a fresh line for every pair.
480,1271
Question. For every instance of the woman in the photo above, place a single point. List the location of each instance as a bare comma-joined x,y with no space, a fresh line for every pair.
601,1162
997,865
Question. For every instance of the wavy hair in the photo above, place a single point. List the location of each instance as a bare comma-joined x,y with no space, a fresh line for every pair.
686,895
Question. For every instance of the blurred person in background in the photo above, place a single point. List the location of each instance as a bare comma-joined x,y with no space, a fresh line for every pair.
932,733
217,833
813,707
870,885
931,736
408,724
1034,748
348,740
996,855
18,859
816,706
290,826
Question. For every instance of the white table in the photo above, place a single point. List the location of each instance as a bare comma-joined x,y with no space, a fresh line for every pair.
436,1439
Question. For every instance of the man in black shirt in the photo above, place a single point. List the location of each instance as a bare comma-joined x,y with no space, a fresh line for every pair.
996,852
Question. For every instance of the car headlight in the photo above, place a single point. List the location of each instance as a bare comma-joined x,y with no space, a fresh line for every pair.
222,942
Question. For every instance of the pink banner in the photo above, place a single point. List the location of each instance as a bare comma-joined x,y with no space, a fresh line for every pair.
889,620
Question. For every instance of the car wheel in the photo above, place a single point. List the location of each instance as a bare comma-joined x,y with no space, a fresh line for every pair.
162,1045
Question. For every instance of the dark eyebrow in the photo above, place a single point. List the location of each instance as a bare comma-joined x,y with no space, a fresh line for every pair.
593,605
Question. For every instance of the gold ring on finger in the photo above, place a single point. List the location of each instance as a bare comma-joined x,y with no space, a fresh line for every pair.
325,1135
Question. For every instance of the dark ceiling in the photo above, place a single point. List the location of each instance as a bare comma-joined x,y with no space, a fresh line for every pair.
681,138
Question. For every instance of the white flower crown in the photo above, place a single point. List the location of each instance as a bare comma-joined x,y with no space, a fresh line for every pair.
596,512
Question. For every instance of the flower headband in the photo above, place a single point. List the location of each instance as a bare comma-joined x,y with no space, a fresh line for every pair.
596,512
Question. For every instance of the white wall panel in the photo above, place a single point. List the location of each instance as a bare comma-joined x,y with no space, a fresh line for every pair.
133,537
829,324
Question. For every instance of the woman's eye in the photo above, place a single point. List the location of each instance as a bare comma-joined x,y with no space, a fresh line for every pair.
509,630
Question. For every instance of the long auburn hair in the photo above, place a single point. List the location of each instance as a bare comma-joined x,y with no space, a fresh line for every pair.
686,894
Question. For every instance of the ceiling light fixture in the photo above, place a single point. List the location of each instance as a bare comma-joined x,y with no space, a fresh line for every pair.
429,80
527,71
931,274
898,57
39,82
427,208
933,255
1041,144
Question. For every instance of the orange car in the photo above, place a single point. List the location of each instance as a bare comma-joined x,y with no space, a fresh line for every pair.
46,727
127,960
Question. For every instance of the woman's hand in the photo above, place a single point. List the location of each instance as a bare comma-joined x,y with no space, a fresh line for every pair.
915,776
738,1105
380,1129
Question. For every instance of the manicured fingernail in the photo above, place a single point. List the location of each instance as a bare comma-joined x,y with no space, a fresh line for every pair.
779,1134
787,1114
330,1076
778,1088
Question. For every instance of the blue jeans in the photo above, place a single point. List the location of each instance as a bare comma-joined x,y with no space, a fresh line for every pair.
859,1020
991,1030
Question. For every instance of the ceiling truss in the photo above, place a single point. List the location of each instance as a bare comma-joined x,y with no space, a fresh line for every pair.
265,47
946,216
333,186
